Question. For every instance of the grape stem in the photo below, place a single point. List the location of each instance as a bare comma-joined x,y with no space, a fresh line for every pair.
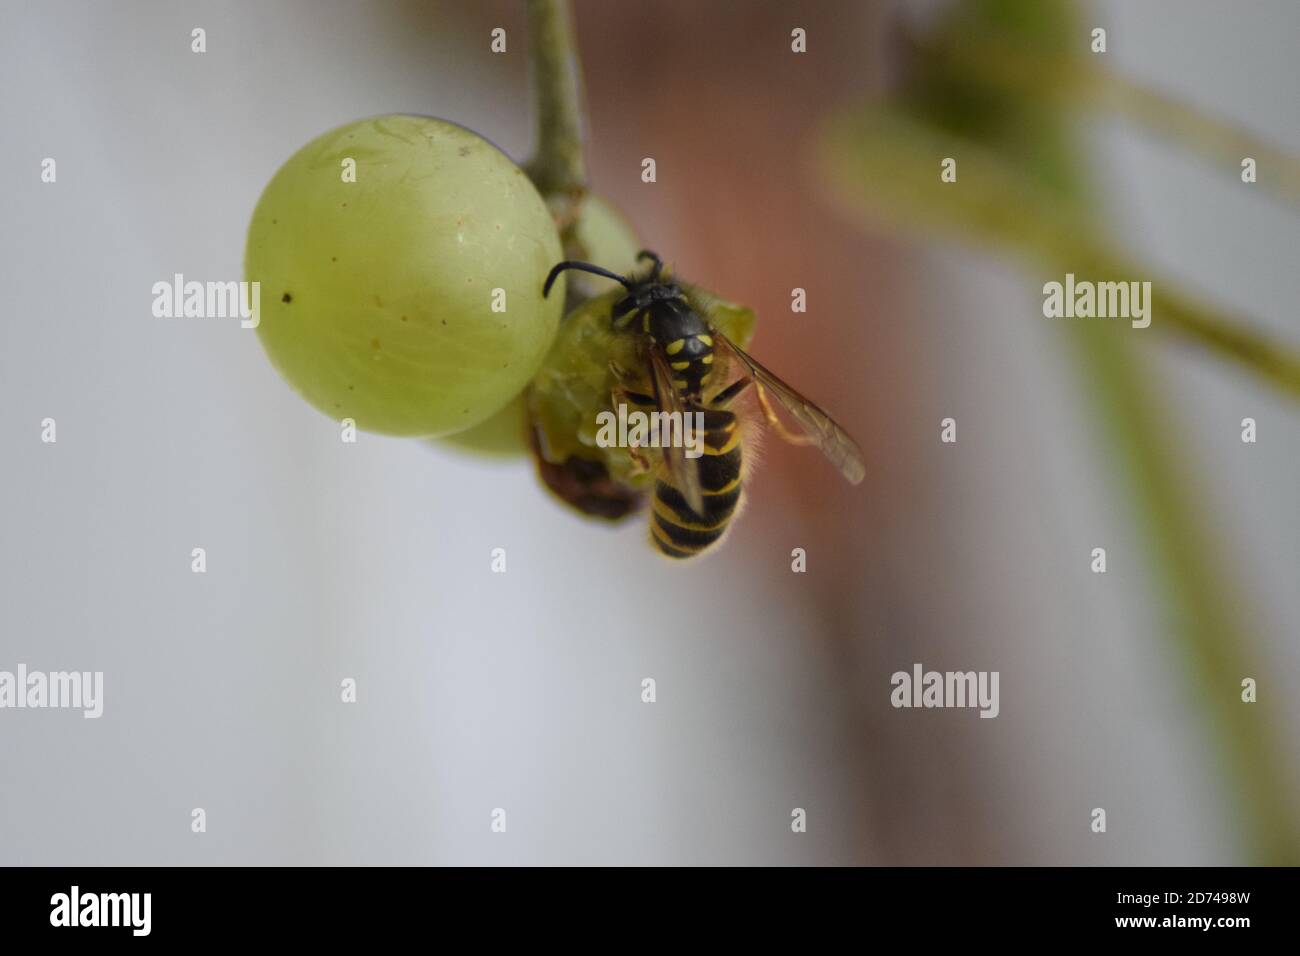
558,168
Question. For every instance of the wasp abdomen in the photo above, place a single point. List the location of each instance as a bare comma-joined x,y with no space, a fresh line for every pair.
678,531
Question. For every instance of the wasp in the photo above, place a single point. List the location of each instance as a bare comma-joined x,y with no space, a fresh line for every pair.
665,356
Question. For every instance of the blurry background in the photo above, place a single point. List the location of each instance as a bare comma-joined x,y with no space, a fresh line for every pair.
522,691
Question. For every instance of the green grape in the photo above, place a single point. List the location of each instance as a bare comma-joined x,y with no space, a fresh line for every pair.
501,436
605,238
602,236
574,385
377,295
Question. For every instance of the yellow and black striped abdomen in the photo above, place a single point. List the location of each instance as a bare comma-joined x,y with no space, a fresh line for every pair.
676,530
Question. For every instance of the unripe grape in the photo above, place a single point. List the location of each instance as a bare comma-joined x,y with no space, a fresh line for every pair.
378,295
502,435
603,237
574,385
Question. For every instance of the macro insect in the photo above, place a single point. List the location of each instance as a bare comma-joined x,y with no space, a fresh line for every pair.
663,355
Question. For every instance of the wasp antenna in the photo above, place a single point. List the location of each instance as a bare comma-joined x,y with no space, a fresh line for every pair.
582,267
653,257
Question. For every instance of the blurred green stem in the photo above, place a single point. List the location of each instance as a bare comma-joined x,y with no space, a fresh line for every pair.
1179,313
885,165
1073,81
1208,136
1206,613
888,147
558,167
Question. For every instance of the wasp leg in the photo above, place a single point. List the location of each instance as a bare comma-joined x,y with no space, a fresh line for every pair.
723,397
624,378
619,395
794,438
640,461
619,372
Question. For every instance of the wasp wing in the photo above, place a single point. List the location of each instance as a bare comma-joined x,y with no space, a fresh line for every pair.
822,431
682,473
